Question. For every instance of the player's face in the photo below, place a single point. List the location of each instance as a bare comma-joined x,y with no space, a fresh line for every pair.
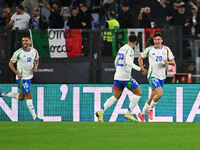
26,42
157,41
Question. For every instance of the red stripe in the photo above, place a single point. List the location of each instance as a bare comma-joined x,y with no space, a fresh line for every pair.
36,53
167,51
73,40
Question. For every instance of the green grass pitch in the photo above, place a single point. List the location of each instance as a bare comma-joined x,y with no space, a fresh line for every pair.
99,136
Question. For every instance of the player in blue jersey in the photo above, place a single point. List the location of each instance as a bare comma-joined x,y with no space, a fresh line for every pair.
27,60
159,57
122,78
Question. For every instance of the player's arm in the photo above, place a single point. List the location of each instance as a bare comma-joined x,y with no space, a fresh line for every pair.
170,62
12,67
129,61
140,62
116,61
36,63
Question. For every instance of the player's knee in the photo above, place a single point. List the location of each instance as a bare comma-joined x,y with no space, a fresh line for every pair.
138,93
117,96
160,94
29,96
21,98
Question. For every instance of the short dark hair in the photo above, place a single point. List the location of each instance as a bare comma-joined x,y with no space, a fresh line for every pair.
20,7
158,34
132,38
26,35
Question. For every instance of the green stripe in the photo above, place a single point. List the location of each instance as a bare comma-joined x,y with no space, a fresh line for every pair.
21,84
129,84
41,42
149,50
18,56
150,78
118,35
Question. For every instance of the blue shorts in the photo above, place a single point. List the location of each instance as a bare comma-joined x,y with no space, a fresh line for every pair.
155,82
24,85
120,85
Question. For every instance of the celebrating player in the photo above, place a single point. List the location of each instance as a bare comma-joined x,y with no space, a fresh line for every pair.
159,57
122,78
27,60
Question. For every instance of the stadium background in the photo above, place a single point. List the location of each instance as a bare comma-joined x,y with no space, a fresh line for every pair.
75,79
95,70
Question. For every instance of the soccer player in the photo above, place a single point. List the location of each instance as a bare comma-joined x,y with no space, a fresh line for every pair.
159,57
122,78
27,60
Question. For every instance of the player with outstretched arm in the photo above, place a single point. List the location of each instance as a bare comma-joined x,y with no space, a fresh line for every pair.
122,78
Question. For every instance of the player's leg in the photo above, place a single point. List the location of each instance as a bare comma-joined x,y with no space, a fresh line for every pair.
145,109
18,96
148,102
157,90
153,83
30,106
21,96
109,102
27,91
133,87
157,94
9,94
118,89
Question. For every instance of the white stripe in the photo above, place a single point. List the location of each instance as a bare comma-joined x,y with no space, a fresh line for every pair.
57,43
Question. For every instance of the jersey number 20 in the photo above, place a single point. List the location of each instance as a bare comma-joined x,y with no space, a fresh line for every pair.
158,58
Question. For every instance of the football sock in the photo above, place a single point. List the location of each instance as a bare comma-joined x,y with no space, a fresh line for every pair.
133,101
146,106
152,105
30,106
108,103
11,95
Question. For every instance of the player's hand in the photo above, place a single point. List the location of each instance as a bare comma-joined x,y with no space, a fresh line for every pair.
35,69
19,75
165,61
143,71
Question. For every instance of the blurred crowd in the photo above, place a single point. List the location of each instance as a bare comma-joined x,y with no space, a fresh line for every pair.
97,14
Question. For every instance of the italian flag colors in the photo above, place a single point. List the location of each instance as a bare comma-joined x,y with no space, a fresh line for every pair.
120,38
57,43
